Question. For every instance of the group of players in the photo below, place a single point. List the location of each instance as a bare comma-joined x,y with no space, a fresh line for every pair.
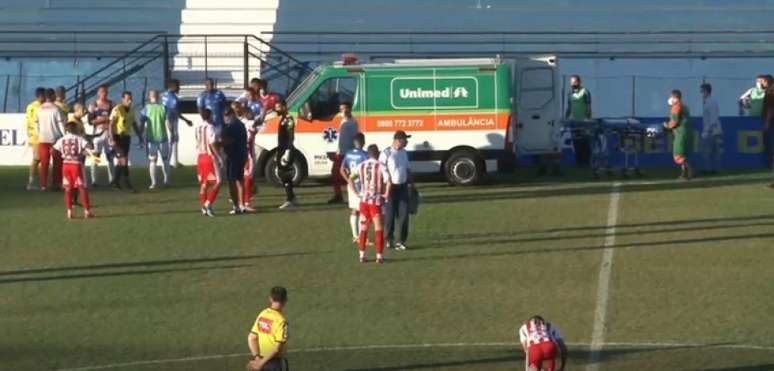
64,136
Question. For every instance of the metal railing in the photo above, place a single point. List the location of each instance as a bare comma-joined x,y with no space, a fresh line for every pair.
582,44
241,51
70,44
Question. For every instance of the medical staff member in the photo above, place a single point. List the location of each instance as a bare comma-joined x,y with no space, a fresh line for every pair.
712,132
680,125
752,99
579,109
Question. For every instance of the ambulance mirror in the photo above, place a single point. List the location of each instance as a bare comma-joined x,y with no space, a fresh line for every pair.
305,112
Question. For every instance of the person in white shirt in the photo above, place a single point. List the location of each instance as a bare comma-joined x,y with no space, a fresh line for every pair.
712,132
396,210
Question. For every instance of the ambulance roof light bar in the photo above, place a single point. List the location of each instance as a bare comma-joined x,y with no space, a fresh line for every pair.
347,59
448,61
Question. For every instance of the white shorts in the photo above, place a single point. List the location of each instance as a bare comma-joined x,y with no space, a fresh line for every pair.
154,148
353,199
102,144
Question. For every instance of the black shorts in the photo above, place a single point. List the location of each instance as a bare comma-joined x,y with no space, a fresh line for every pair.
276,364
122,145
235,168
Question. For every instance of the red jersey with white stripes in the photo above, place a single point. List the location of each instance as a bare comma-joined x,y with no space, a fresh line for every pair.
534,332
72,147
371,173
206,135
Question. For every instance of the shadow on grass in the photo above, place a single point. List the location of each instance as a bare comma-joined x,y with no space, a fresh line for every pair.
687,241
587,190
492,238
150,263
576,358
759,367
132,272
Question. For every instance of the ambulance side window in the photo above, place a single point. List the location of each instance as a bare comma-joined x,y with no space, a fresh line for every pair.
537,88
324,103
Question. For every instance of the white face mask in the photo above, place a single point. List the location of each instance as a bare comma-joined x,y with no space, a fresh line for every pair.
671,101
759,85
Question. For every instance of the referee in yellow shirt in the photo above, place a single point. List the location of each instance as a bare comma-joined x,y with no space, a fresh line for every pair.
269,335
123,119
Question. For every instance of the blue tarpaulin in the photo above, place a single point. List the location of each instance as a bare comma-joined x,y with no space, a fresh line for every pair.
743,145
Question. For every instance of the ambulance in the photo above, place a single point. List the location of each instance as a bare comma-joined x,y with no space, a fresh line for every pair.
466,117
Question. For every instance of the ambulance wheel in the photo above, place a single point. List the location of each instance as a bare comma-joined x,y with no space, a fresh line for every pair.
272,173
464,167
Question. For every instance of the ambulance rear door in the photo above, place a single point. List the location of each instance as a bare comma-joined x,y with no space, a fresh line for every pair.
536,102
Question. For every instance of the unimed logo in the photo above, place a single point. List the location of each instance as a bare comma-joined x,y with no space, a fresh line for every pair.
418,92
12,138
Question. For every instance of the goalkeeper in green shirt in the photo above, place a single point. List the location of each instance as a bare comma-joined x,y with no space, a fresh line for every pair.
154,120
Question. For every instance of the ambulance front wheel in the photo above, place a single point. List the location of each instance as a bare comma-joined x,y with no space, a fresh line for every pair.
464,167
273,174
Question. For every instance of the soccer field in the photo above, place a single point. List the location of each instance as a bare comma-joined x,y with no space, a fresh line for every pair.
150,284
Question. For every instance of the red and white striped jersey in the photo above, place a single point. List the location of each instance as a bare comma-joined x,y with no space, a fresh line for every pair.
534,332
371,173
206,134
72,147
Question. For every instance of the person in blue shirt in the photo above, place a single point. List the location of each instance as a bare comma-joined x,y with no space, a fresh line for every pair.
348,171
212,99
172,104
253,105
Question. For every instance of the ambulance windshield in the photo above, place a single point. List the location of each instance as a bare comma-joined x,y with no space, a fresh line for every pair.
304,85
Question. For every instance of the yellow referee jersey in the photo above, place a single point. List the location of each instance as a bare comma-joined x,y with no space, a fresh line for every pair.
32,128
272,330
122,119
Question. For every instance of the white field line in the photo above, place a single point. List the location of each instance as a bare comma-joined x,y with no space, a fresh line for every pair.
515,345
603,285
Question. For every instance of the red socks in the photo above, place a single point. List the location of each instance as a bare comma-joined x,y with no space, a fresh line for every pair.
247,186
85,198
213,194
202,198
379,242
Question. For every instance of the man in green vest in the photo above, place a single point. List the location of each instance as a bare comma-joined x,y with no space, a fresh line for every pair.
680,125
579,109
154,119
752,99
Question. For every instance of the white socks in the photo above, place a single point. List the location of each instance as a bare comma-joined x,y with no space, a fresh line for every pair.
152,171
165,171
354,225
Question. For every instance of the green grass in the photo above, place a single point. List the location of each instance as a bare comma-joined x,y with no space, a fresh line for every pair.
151,279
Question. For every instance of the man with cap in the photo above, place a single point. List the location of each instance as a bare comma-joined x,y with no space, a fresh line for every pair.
396,210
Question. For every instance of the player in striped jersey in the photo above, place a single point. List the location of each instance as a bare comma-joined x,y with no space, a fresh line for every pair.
208,162
99,119
349,168
73,147
541,340
374,189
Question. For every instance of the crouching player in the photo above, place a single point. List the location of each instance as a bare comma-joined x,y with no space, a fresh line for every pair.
72,147
541,341
208,162
374,190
